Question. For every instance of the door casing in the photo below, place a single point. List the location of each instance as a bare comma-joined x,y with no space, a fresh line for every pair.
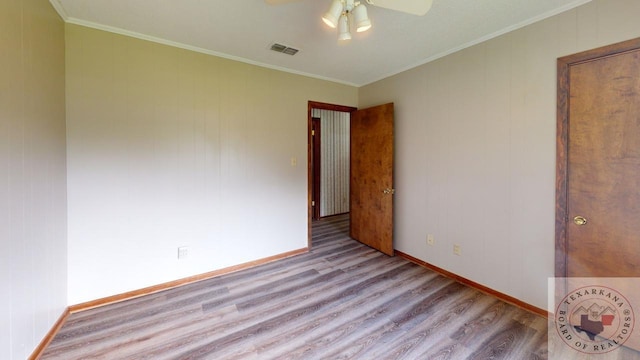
323,106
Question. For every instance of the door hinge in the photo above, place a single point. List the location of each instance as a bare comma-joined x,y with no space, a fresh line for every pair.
313,203
313,133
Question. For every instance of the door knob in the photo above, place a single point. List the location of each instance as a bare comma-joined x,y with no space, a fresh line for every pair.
389,191
579,220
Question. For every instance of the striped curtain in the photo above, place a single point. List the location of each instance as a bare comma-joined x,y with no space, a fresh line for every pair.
334,164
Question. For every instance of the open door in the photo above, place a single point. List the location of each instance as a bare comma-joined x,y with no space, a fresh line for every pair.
371,184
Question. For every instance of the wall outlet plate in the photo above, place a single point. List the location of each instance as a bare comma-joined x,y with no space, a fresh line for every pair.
430,240
183,252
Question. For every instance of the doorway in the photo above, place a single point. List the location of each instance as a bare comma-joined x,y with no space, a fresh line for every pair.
598,163
331,156
598,174
370,178
336,118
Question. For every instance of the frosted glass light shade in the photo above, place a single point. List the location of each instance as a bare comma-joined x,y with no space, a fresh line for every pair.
361,18
343,28
331,17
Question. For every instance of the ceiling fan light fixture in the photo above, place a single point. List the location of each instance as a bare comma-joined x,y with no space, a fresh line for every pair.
363,23
332,16
349,5
343,28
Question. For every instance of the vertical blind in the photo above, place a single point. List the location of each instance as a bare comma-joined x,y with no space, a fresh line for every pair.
334,162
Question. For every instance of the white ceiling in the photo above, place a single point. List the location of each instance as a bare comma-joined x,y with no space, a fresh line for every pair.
245,29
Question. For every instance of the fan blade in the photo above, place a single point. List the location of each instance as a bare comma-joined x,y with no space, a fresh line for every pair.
279,2
415,7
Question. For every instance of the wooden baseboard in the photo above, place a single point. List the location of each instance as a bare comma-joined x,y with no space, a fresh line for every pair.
504,297
172,284
50,335
150,290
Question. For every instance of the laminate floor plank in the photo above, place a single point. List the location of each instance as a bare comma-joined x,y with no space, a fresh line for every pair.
420,337
294,317
337,323
369,313
341,300
226,334
125,320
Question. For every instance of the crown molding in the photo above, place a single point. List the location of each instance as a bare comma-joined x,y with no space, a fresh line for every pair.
71,20
482,39
59,9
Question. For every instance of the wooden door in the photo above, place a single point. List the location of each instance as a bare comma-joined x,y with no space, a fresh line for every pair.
598,197
371,184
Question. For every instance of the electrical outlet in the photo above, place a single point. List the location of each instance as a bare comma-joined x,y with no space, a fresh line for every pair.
183,252
457,249
430,240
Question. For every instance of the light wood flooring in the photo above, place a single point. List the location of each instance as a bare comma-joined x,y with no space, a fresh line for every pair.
342,300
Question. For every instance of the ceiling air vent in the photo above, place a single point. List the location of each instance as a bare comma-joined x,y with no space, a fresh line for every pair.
284,49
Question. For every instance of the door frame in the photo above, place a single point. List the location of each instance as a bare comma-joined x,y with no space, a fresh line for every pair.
562,139
322,106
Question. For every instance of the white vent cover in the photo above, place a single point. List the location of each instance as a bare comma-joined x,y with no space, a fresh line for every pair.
284,49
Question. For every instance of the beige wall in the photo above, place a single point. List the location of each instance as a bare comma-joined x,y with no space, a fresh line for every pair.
475,146
32,175
169,148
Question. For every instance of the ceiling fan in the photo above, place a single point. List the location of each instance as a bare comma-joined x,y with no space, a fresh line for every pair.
340,11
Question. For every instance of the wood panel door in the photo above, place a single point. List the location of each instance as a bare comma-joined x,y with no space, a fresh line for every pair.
371,184
598,197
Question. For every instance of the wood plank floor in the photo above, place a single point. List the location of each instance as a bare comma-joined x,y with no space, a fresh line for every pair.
342,300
